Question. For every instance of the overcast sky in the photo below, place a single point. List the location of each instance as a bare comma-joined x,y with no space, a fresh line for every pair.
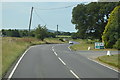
15,15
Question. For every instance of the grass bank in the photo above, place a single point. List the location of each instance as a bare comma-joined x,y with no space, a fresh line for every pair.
84,44
113,60
13,47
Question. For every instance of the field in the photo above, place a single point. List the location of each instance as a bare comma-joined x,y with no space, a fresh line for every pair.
84,44
113,60
13,47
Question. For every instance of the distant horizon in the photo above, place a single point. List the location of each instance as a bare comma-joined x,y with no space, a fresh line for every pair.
34,29
15,15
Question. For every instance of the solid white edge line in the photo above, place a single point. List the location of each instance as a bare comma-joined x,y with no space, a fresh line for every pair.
61,60
104,65
15,67
74,74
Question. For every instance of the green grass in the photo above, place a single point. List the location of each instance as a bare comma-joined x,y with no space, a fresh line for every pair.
82,46
113,60
13,47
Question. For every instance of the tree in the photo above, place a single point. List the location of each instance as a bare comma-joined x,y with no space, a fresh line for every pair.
110,35
90,19
23,33
41,32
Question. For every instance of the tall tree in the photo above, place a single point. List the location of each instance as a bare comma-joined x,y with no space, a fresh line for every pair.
90,19
110,34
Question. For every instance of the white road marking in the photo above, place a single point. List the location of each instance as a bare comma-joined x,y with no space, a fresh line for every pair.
52,47
53,50
15,67
69,48
74,74
55,53
61,60
104,65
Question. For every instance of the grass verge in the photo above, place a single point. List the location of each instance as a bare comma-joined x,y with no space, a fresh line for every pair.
13,47
113,60
84,44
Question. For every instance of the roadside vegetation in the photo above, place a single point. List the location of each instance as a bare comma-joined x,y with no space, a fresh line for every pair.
13,47
113,60
83,45
97,20
94,22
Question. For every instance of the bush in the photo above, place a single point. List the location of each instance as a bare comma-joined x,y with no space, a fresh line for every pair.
117,44
61,39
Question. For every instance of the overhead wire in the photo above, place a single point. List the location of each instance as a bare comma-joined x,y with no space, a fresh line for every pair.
50,9
55,8
39,17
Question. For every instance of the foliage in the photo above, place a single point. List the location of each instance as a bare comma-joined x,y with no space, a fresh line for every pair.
11,33
90,19
110,34
50,34
117,44
41,32
74,36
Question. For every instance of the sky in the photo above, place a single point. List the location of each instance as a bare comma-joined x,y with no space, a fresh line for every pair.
15,15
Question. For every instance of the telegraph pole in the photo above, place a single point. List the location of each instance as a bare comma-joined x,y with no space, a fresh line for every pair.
57,31
30,21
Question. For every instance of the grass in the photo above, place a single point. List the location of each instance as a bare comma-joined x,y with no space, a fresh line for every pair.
111,60
13,47
53,40
82,46
0,57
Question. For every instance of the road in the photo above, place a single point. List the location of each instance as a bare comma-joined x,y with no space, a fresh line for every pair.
57,61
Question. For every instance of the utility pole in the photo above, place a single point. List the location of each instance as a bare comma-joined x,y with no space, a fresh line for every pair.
30,21
57,31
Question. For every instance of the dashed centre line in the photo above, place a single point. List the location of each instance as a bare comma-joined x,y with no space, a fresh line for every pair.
61,60
74,74
65,63
55,53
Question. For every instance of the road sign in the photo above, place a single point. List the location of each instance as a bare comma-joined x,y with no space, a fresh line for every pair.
99,45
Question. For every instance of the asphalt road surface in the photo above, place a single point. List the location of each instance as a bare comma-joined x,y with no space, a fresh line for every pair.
58,61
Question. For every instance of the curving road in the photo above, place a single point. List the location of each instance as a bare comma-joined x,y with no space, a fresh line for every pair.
56,61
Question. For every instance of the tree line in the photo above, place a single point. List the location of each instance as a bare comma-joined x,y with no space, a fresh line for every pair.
39,32
98,20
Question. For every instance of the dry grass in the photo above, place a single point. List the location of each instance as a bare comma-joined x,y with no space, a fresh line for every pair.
0,57
53,40
13,47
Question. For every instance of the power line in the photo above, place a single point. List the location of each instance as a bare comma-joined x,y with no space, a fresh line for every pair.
39,17
55,8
